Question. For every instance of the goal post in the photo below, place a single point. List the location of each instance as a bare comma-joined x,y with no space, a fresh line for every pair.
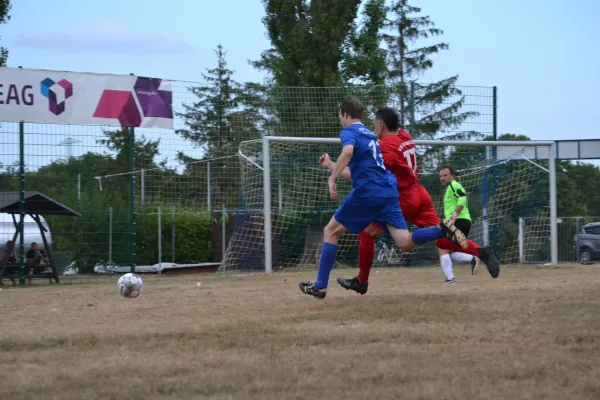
286,204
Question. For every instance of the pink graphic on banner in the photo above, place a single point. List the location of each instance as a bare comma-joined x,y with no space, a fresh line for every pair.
121,105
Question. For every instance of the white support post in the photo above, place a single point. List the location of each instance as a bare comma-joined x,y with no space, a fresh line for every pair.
280,195
208,199
110,233
486,200
521,240
267,204
553,205
476,143
159,241
143,184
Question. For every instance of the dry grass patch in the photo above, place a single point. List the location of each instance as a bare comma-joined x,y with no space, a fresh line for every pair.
532,334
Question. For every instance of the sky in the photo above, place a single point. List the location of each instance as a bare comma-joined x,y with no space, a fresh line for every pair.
541,54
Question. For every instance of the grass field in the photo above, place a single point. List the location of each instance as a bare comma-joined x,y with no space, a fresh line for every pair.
534,333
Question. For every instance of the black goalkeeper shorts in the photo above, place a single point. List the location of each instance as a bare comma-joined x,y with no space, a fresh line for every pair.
464,225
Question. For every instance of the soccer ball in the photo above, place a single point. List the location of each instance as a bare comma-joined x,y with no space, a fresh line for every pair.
130,285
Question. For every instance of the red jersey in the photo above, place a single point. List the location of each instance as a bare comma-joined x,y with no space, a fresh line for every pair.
400,158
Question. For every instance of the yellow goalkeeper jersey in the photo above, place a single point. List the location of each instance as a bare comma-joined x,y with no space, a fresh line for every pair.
456,195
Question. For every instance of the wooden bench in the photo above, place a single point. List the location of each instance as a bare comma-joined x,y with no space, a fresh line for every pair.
11,271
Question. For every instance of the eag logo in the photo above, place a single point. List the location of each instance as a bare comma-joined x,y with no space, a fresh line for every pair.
57,94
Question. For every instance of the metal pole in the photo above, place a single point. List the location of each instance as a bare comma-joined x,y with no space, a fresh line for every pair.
484,199
173,233
418,142
267,204
22,203
143,186
495,113
132,197
110,234
223,233
78,186
159,241
521,240
208,186
280,196
553,206
577,227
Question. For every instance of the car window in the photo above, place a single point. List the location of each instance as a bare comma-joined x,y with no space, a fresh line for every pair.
592,230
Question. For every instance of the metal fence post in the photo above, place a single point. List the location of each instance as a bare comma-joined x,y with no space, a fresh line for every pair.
22,203
132,196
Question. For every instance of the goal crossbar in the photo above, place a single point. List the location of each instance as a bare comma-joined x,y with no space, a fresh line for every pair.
551,157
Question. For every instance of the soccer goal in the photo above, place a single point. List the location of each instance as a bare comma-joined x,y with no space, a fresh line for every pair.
285,204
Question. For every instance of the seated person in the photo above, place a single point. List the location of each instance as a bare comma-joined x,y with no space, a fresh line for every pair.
36,256
9,253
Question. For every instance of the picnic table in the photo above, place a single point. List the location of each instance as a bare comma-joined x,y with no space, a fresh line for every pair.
36,204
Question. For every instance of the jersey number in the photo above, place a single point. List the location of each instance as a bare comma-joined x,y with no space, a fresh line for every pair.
411,159
377,153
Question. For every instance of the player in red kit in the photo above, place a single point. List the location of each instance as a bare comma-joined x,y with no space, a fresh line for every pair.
400,158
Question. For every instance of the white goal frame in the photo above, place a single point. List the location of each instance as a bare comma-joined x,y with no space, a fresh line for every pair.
550,146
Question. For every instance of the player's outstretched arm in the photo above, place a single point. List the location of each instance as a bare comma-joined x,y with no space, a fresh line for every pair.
325,161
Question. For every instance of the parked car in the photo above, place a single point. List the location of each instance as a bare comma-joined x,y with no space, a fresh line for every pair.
587,243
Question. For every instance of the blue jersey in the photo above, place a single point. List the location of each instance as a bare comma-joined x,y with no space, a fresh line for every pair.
369,176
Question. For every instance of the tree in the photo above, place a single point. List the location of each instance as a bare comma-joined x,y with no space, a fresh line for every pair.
429,109
584,182
5,7
364,60
321,51
145,150
217,121
307,39
223,114
319,43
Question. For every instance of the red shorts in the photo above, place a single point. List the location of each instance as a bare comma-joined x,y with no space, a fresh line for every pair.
417,207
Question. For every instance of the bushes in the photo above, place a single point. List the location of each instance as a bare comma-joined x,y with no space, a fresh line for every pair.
87,237
192,239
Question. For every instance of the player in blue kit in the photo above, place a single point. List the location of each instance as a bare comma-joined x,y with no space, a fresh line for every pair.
374,198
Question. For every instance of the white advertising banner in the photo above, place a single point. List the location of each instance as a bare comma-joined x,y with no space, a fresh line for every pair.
33,95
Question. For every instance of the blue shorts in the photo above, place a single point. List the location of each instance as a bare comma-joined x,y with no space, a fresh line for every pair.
357,213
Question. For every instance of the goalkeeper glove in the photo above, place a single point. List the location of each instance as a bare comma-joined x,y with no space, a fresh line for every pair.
454,216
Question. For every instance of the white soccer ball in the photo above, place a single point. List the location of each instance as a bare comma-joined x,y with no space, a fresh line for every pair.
130,285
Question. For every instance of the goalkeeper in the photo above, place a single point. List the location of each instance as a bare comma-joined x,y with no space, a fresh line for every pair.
457,210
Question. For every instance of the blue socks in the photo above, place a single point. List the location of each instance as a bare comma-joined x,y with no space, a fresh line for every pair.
325,265
424,235
420,236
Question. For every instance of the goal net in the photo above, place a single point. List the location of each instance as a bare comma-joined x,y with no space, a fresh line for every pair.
285,203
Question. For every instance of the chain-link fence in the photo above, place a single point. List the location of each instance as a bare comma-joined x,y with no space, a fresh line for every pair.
151,198
578,240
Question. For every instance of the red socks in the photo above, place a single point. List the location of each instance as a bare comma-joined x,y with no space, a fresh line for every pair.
446,244
366,253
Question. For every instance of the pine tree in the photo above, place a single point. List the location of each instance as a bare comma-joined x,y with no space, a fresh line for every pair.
224,114
5,7
428,109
